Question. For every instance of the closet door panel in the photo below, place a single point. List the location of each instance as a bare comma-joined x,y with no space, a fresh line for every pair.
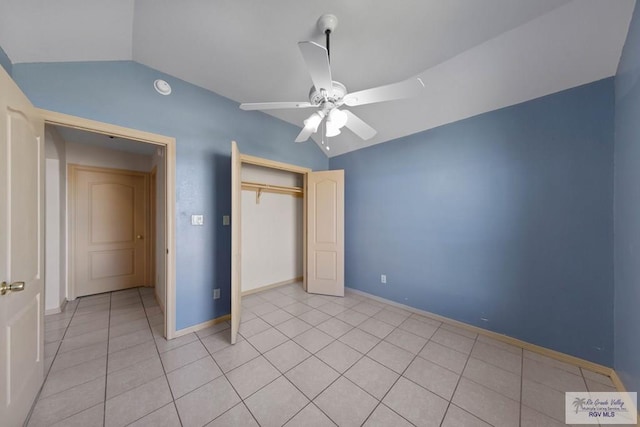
325,232
236,251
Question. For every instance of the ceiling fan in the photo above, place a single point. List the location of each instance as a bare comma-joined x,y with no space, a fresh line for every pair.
328,95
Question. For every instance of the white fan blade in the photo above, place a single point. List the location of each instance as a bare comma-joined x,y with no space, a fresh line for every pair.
358,126
405,89
304,134
273,105
317,60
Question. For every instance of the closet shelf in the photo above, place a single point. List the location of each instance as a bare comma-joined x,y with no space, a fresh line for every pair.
270,188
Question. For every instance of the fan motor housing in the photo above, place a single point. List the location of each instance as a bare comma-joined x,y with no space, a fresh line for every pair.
317,97
327,22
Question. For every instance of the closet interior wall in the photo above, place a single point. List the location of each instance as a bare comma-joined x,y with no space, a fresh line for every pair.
272,227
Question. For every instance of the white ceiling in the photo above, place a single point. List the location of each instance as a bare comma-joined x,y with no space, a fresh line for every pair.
474,56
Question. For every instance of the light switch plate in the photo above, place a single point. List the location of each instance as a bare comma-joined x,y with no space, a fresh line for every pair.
216,293
225,220
197,219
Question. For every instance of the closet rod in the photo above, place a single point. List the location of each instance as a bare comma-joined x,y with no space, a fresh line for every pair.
280,189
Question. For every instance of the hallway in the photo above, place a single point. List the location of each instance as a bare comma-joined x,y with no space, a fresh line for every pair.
99,348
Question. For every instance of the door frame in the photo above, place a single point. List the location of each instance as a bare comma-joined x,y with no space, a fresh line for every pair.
236,170
153,217
169,145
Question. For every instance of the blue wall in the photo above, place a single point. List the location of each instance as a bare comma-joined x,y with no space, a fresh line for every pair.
203,124
505,216
5,62
627,210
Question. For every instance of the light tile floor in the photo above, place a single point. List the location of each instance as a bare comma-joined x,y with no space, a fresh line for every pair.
301,360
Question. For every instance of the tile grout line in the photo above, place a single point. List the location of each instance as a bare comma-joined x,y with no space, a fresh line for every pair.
400,376
395,327
283,374
417,355
311,401
46,375
164,372
224,374
140,301
290,339
499,367
334,339
71,367
106,368
586,386
106,356
521,386
86,382
466,362
55,356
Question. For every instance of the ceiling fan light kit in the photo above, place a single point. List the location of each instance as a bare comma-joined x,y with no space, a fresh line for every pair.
314,121
337,118
332,131
328,95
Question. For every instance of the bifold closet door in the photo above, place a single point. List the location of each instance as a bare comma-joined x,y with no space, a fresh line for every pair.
325,232
236,252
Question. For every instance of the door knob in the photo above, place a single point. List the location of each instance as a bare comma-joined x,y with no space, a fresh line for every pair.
15,286
139,237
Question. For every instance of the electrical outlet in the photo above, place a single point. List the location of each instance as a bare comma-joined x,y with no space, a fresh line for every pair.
383,278
216,294
225,220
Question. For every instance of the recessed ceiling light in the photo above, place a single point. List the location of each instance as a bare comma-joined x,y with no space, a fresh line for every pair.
162,87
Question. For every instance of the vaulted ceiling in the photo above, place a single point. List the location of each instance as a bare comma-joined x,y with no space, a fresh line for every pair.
473,56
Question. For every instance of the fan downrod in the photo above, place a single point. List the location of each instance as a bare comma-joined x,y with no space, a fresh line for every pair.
327,23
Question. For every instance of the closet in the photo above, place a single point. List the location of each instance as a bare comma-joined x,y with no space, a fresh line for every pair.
287,225
271,240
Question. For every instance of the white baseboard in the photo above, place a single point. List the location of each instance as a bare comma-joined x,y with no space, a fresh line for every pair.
56,310
158,300
273,285
201,326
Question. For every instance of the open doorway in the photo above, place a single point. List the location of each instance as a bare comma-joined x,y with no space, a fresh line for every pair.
79,153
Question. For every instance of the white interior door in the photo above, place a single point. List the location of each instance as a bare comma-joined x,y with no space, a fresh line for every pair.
21,253
110,229
236,220
325,232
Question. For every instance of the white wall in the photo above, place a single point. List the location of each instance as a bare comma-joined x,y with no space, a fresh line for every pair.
271,230
55,221
89,155
158,160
